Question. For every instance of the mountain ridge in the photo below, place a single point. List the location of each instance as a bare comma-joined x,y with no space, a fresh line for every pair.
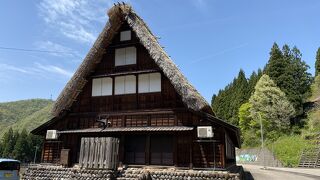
24,114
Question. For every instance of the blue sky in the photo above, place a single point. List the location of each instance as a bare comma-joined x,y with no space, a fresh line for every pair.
209,40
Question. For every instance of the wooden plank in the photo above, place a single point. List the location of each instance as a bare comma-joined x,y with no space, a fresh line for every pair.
116,150
115,153
101,157
97,152
91,153
108,159
81,153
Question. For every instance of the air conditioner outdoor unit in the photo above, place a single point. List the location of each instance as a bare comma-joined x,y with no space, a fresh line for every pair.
52,134
204,132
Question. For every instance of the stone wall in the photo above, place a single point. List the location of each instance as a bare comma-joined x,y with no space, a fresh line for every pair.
59,173
162,174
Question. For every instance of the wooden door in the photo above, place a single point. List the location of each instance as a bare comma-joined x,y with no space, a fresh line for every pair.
161,150
135,149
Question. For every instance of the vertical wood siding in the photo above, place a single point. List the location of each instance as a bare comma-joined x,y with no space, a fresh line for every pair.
99,152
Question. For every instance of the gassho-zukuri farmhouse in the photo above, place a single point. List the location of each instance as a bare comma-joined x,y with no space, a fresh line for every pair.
128,105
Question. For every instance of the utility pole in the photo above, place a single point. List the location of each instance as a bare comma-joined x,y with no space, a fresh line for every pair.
35,155
262,141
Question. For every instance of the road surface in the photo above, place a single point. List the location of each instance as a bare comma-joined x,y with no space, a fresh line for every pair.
258,173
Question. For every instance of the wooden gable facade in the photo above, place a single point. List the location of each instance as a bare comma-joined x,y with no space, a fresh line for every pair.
123,89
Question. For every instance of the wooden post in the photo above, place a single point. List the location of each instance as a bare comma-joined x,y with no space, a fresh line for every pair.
175,150
148,150
121,151
222,156
191,154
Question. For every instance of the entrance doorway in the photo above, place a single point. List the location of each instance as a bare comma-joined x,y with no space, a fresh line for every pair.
135,149
161,150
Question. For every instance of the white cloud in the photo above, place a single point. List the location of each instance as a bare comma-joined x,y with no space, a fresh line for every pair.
75,19
54,69
36,70
224,51
7,67
57,49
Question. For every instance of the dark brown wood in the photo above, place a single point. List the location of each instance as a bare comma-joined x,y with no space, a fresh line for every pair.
148,150
154,109
64,157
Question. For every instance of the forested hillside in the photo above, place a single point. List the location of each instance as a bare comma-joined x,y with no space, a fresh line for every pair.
22,114
17,119
279,96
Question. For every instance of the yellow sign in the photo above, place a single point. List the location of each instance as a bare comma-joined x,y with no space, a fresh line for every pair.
8,174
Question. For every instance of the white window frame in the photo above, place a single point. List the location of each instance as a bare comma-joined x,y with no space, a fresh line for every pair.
101,87
125,35
146,83
125,85
125,56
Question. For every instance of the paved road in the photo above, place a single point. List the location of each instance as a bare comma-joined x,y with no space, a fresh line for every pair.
280,174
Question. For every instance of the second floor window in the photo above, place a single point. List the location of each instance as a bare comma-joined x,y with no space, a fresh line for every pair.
125,85
125,56
102,86
149,83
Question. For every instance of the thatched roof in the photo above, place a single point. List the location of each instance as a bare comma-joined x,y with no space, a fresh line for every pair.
119,14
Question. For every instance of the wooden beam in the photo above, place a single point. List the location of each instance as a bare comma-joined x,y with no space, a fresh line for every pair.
131,112
126,73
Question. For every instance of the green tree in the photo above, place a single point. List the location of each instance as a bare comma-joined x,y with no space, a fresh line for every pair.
272,105
21,148
8,143
248,127
289,72
226,104
245,117
1,148
253,79
317,64
35,144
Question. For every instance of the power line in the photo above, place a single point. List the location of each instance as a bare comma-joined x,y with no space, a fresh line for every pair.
34,50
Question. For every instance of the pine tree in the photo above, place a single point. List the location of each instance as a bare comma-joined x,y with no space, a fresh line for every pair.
226,104
34,142
1,148
317,64
21,148
253,79
289,72
8,143
272,105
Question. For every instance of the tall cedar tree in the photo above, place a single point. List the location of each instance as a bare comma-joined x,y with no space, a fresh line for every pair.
253,79
8,143
317,64
226,104
21,148
289,72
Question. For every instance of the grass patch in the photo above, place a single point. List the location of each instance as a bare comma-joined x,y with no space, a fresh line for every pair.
288,149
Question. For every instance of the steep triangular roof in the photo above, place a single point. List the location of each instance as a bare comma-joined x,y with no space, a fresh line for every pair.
119,14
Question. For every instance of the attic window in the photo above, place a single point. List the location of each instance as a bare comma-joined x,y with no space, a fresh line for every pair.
149,83
101,86
125,35
125,85
125,56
